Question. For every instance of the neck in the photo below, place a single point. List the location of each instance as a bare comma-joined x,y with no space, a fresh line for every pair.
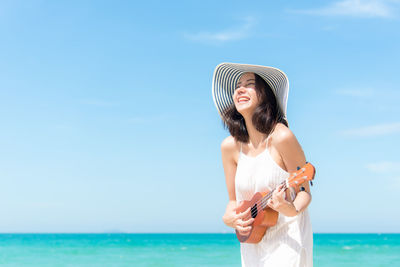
255,137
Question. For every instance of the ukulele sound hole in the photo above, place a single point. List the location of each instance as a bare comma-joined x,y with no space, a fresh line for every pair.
254,211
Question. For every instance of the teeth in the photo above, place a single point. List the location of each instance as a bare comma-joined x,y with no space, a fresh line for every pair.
243,99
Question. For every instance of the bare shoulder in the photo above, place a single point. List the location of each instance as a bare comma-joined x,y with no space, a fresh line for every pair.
289,149
229,144
229,148
282,134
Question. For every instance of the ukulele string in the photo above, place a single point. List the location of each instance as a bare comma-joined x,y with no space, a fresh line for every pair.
269,195
263,201
265,198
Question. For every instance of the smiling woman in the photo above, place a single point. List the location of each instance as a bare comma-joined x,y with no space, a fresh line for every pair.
257,158
264,113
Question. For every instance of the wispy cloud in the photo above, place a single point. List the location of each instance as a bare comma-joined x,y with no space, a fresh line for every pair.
354,8
373,130
361,93
387,171
384,166
237,33
383,99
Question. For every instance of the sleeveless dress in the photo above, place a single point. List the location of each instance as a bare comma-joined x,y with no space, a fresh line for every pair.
289,242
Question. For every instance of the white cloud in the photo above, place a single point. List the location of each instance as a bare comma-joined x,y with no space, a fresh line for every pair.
374,130
383,99
237,33
384,166
384,170
367,92
355,8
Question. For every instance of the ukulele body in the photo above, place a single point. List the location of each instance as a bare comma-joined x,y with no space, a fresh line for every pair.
263,218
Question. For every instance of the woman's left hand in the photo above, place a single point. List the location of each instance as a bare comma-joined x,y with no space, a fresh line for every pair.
277,201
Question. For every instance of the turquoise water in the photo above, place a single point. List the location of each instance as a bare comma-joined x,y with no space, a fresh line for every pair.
182,250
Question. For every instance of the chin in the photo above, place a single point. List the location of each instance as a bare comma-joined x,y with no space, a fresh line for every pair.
245,110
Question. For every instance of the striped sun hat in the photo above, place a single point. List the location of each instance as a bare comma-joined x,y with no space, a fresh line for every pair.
226,75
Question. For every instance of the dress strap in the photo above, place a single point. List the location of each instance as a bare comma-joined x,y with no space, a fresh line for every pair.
267,140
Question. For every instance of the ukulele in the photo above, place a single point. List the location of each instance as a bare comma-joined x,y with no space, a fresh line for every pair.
266,217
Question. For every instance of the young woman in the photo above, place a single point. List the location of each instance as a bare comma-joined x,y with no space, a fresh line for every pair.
258,156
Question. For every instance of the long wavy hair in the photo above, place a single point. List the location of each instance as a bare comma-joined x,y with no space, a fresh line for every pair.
266,115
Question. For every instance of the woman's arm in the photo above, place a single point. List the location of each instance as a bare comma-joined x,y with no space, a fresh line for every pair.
293,156
229,153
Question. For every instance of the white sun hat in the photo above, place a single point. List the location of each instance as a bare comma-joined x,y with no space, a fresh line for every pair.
226,76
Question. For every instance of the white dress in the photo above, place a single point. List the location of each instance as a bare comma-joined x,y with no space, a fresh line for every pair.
289,242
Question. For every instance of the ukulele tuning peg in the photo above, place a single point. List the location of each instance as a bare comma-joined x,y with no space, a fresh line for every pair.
306,162
311,183
298,168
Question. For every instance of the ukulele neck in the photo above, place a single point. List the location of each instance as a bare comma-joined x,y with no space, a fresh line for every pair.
269,195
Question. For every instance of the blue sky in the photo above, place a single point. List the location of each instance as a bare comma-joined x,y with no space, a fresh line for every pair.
108,122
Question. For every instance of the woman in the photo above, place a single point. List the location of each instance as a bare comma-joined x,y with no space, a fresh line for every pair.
258,156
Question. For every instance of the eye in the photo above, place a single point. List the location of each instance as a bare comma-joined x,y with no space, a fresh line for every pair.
238,86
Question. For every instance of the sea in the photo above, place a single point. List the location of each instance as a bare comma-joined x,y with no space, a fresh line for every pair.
117,249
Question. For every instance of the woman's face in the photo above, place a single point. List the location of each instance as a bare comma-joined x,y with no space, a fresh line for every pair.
245,95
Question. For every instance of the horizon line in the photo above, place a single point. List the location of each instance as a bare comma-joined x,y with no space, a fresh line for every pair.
6,233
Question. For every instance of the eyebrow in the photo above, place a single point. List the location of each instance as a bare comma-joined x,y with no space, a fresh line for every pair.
246,81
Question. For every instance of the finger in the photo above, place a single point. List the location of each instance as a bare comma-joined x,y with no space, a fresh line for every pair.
243,229
237,216
246,213
242,213
281,195
278,199
248,222
245,233
272,206
248,210
238,222
246,217
277,191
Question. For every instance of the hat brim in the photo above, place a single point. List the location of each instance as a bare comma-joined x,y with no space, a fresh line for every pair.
226,76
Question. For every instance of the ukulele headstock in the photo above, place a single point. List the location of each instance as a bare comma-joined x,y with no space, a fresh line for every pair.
305,173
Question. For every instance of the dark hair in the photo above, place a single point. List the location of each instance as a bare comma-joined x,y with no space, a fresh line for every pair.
265,117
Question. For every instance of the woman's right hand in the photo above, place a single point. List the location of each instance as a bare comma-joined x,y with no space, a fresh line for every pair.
240,221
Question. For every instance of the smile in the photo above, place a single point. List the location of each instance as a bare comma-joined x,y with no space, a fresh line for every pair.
243,99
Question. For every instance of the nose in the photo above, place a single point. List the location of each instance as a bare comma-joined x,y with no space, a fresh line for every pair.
240,90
